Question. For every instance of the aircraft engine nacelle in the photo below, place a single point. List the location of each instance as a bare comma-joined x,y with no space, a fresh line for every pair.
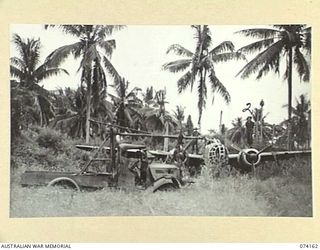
216,153
249,157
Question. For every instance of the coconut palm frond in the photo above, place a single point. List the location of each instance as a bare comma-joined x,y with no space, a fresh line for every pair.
111,70
259,33
225,46
106,30
59,55
263,58
75,30
15,72
271,63
22,47
179,115
29,51
302,65
218,87
17,62
34,56
108,46
176,66
179,50
257,46
42,74
307,39
224,57
185,81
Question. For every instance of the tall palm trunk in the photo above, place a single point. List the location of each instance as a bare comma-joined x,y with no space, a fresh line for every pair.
261,125
289,96
88,114
200,104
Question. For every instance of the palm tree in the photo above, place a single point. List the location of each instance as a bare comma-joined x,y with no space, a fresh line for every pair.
148,96
127,103
25,67
281,40
70,106
189,125
179,115
157,117
71,112
237,132
26,70
94,49
301,111
200,65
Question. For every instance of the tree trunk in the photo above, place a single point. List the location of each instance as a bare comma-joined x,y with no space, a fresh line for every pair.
261,126
200,104
88,106
41,118
289,97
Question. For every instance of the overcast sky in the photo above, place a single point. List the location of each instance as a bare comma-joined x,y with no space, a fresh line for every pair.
140,53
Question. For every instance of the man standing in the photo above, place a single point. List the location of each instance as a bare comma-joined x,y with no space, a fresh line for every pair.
249,130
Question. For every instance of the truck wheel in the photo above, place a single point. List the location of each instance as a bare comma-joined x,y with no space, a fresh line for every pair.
64,182
166,187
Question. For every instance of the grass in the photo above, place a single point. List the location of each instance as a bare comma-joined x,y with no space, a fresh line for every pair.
273,192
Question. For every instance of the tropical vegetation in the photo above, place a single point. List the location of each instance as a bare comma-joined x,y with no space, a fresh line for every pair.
281,43
30,102
106,95
46,125
199,65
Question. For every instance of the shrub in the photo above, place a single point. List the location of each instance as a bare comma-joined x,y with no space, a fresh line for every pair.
49,138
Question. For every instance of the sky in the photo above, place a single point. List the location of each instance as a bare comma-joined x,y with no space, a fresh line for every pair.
140,53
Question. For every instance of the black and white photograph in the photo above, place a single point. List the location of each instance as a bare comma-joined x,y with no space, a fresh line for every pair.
160,120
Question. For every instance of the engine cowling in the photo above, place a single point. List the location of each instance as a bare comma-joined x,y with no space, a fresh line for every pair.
216,153
249,157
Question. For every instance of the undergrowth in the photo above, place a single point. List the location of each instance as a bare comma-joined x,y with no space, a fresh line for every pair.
277,189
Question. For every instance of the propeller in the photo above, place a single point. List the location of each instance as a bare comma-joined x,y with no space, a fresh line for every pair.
252,156
265,148
255,159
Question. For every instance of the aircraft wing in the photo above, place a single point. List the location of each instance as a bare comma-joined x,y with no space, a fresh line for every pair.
91,147
271,156
233,159
160,154
195,160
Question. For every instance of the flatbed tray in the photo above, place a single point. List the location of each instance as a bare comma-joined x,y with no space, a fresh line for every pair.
87,179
